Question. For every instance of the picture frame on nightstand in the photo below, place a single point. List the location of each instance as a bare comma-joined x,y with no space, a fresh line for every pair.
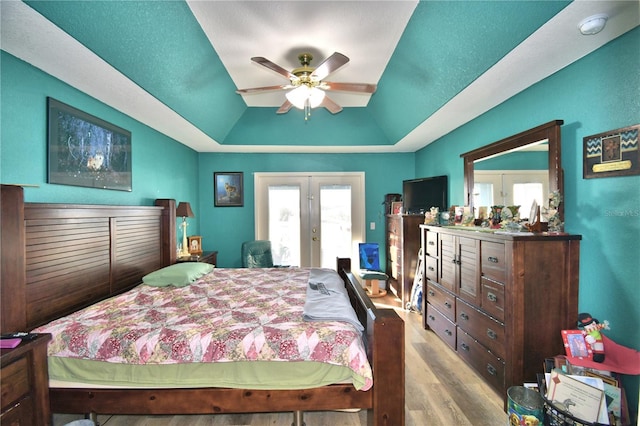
195,244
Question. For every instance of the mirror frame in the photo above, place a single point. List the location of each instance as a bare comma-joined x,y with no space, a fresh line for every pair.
549,131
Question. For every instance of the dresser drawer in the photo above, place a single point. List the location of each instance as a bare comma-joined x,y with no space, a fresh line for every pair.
493,262
15,382
483,361
432,244
493,298
21,414
440,325
442,300
483,328
431,268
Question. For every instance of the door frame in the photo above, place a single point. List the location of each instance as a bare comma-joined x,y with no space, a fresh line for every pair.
358,206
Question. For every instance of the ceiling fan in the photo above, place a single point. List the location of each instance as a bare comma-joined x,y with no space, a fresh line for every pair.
307,85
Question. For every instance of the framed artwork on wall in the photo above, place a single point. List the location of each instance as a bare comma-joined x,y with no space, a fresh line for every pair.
612,153
228,190
84,150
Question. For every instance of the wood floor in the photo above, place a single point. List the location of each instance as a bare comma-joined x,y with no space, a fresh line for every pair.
440,390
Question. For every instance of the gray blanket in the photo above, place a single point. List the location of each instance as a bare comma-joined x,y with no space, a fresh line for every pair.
327,299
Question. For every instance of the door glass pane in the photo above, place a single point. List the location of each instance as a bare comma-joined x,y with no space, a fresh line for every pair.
482,195
335,223
284,224
524,194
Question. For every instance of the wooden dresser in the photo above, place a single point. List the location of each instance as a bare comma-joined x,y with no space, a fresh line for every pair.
25,384
403,244
500,300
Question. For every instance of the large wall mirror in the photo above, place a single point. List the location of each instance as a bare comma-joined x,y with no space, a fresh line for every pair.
516,170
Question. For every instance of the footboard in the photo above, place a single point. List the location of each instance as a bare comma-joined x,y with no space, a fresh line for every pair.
384,340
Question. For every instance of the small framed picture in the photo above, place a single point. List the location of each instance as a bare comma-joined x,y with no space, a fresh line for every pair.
228,190
195,244
575,344
396,207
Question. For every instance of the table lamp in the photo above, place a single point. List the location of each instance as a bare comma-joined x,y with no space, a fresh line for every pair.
184,210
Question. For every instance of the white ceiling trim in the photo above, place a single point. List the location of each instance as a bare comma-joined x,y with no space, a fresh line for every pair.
555,45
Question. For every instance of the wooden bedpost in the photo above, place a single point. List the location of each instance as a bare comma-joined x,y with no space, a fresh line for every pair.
12,250
168,232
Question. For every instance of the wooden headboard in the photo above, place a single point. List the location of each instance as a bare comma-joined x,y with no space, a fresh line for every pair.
58,258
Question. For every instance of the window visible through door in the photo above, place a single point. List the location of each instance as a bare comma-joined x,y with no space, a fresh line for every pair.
311,218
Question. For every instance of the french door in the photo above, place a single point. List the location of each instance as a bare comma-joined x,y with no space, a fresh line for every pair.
310,218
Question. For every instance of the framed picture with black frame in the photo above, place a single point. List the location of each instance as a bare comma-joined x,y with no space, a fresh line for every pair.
228,189
84,150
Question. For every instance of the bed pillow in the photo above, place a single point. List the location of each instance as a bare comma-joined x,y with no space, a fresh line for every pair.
178,275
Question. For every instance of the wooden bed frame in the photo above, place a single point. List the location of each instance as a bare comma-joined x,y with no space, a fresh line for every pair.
58,258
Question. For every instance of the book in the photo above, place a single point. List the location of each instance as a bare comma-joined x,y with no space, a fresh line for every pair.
10,343
575,397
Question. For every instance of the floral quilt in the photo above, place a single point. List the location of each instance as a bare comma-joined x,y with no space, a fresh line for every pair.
227,315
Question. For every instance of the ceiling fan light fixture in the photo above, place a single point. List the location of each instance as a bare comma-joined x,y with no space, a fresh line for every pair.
593,24
304,94
298,96
316,96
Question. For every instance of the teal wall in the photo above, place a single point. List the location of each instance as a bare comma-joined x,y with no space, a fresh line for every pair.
225,228
594,95
162,168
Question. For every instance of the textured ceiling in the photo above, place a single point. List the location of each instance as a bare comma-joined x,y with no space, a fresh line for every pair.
175,65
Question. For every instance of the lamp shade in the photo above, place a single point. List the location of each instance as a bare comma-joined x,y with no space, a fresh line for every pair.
184,210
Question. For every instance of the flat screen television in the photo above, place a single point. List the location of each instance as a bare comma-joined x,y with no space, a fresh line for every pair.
419,195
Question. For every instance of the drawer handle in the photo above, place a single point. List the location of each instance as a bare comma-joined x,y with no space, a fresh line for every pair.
465,347
492,297
491,370
432,293
493,259
492,334
464,316
448,333
432,318
431,243
447,304
431,268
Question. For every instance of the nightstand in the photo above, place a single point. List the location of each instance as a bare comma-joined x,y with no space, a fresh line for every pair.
24,379
206,257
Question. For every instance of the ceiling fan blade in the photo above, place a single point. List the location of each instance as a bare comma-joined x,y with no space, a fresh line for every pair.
284,108
277,68
263,89
350,87
329,65
331,106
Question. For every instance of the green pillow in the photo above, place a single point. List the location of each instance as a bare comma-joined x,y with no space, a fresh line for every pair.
178,275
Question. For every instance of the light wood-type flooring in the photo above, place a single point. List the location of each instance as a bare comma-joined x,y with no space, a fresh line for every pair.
440,390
